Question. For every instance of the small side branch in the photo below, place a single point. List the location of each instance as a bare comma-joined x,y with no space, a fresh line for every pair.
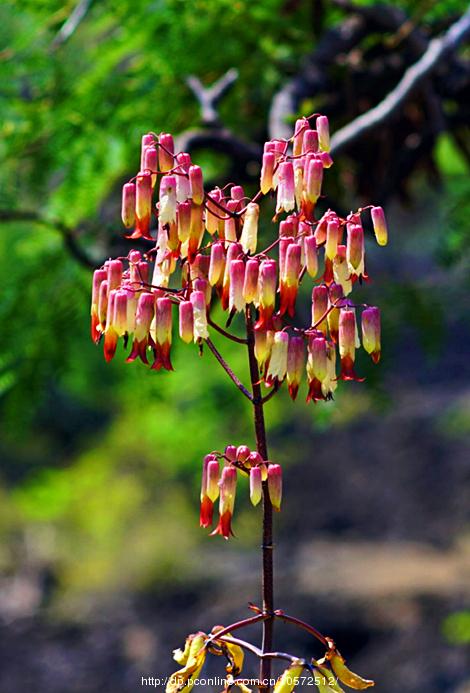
228,370
70,26
233,337
304,626
416,75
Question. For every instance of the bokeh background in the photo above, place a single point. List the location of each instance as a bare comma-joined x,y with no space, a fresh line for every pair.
103,567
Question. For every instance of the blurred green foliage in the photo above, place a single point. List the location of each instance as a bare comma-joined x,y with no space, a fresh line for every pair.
97,458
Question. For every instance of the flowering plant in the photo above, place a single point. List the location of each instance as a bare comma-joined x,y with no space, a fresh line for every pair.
204,247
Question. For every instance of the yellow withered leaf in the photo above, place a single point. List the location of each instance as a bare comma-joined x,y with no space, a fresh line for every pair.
328,674
289,679
234,653
182,681
345,675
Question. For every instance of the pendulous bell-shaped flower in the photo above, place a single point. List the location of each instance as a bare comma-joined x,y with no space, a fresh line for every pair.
347,342
277,366
197,184
275,485
228,489
380,225
323,129
162,333
286,187
237,279
267,281
249,237
128,205
289,282
166,152
186,321
250,286
295,364
198,300
370,322
256,485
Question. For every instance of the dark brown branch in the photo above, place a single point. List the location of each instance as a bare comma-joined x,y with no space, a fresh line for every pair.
233,337
304,626
228,370
437,51
8,216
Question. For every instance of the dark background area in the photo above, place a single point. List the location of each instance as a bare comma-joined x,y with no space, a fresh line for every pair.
103,568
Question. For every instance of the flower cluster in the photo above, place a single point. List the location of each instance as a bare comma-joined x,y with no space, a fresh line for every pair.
325,673
222,484
205,246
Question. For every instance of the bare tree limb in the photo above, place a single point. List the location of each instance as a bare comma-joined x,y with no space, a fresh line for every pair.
7,216
437,50
69,27
209,97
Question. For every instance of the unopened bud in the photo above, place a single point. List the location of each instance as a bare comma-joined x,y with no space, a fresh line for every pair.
186,321
311,255
323,130
286,187
128,205
319,307
197,184
380,225
313,180
237,280
256,485
370,321
267,170
166,152
275,485
249,237
217,263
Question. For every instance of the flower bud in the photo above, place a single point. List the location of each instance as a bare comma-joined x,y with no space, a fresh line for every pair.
237,279
213,473
323,130
313,180
286,187
300,129
143,319
183,160
120,321
277,366
183,188
341,271
317,366
230,223
355,246
332,238
263,345
298,182
186,321
319,307
163,325
197,184
347,342
289,283
196,229
148,140
99,276
115,269
267,281
311,256
295,364
217,263
380,225
275,485
335,296
167,205
249,235
243,453
228,489
183,218
256,485
150,163
128,205
250,286
254,459
207,504
231,452
143,205
284,243
213,212
310,143
110,334
267,170
287,227
103,304
234,251
320,230
200,315
166,152
370,321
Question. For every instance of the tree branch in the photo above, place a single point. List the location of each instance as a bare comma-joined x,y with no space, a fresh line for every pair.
228,370
69,27
414,76
209,97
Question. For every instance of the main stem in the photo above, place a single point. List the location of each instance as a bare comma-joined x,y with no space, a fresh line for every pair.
267,586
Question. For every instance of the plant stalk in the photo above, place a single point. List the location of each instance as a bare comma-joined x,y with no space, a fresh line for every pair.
267,585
